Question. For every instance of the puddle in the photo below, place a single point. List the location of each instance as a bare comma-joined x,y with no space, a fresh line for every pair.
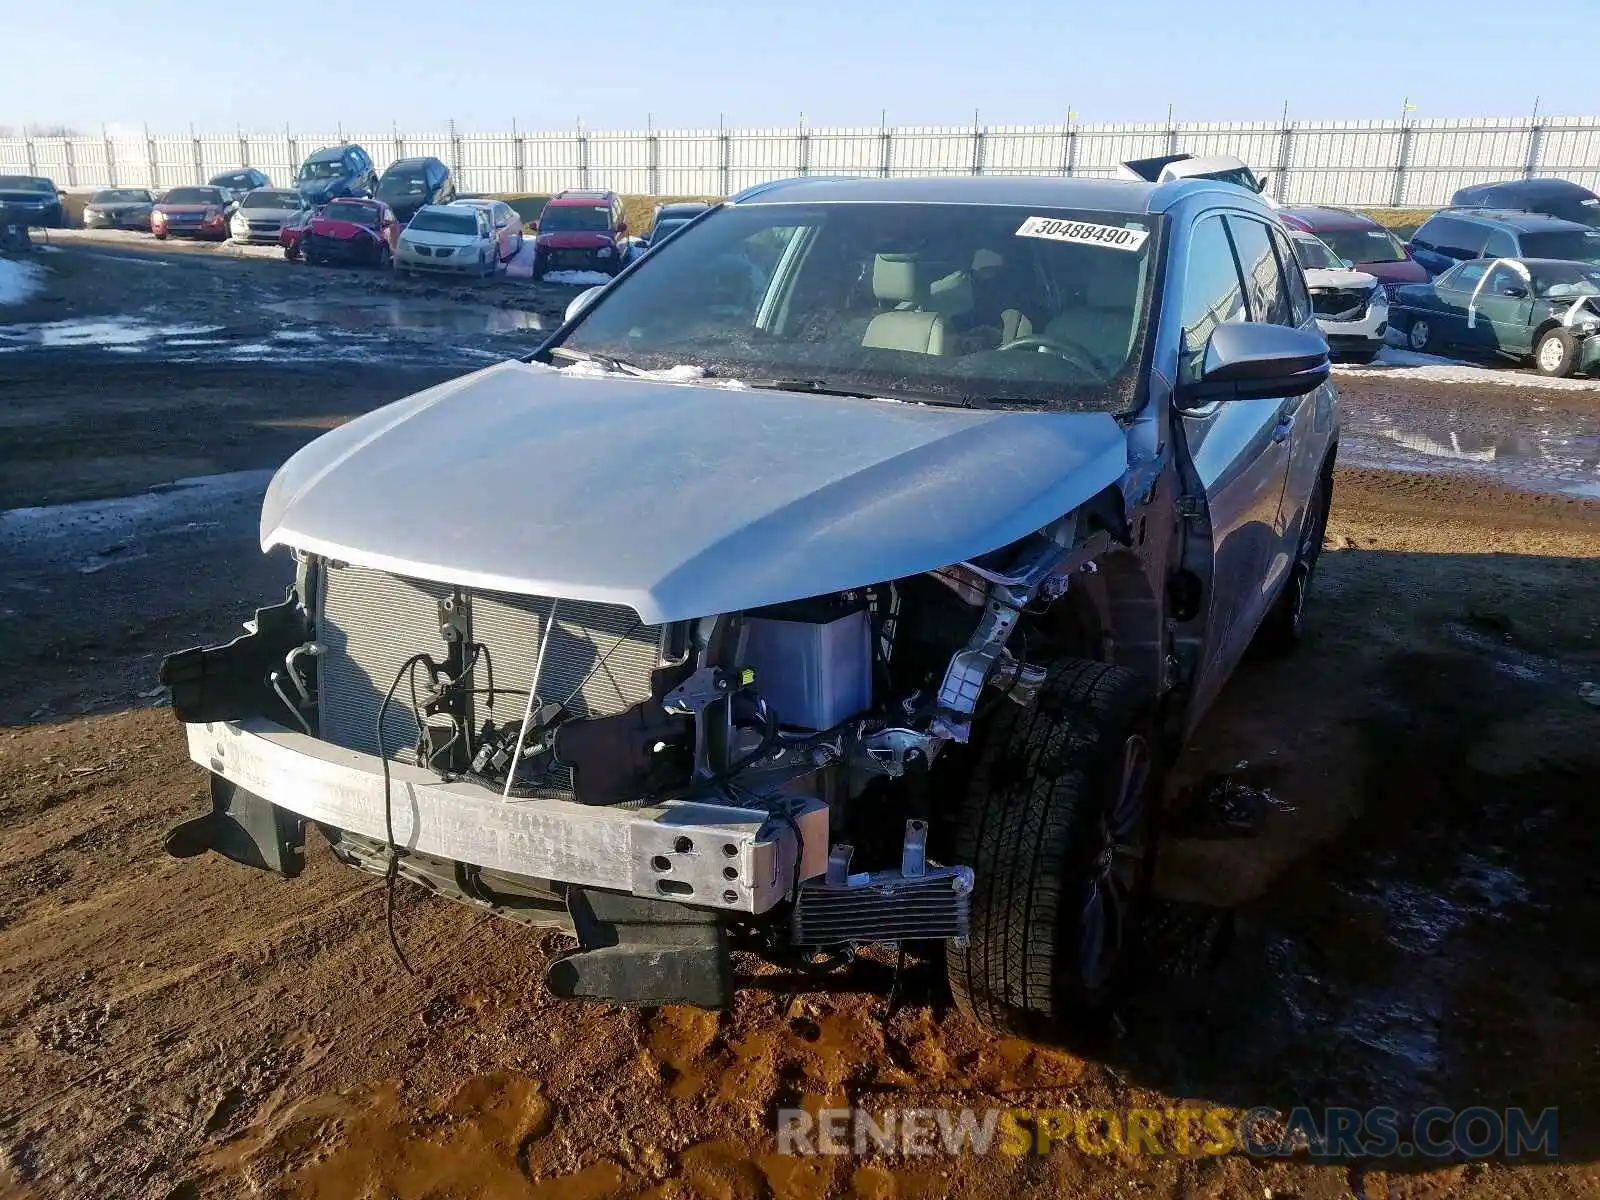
1546,454
95,532
416,315
105,333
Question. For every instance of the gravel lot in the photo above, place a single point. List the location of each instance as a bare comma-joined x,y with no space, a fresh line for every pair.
1416,922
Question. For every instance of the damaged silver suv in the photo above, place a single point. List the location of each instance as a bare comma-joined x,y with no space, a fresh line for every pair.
844,573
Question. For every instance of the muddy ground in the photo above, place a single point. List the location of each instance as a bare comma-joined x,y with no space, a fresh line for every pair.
1415,921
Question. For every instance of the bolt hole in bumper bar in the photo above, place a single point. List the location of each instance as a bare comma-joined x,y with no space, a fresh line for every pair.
674,850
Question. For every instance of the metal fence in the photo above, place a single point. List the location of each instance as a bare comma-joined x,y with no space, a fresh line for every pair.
1370,163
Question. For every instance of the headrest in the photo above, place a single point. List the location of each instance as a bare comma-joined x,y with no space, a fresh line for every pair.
951,295
894,277
987,260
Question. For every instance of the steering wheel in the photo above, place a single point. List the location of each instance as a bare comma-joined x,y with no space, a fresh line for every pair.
1072,352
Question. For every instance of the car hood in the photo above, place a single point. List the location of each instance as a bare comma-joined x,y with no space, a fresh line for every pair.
430,237
1320,278
118,206
330,227
322,189
677,500
10,197
172,209
269,214
575,240
1404,270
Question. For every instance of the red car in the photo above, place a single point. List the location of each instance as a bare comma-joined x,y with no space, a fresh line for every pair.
347,230
1355,236
580,231
192,212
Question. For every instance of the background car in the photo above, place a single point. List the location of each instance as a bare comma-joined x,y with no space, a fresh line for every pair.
409,184
33,201
1457,235
505,222
670,217
1356,237
261,214
336,171
1527,308
119,208
292,235
239,182
352,230
1554,197
580,231
192,212
449,237
1351,307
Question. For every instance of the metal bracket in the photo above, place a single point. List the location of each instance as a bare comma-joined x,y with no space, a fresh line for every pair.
705,687
914,851
895,750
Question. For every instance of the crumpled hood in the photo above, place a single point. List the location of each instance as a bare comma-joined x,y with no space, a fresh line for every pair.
677,500
1319,278
320,191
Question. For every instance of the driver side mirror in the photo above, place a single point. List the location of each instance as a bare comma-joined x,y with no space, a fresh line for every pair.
581,301
1255,361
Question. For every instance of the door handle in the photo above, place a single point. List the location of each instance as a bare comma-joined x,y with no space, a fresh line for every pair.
1284,427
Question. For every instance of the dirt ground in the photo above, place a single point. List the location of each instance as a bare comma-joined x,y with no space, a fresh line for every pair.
1415,920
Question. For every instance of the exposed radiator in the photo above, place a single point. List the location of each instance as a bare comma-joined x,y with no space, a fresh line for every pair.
599,660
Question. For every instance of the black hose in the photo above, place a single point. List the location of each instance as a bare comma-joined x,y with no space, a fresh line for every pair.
392,872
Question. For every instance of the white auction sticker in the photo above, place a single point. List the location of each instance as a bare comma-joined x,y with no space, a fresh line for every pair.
1117,237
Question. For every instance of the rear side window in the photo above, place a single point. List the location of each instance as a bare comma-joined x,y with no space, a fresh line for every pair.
1457,238
1293,278
1499,245
1263,281
1212,292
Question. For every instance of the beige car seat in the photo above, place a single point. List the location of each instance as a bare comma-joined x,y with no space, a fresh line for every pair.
1101,322
921,302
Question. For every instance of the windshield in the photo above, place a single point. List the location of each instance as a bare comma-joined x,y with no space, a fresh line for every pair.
192,195
24,183
1363,245
1561,280
272,199
331,168
1314,256
410,183
560,217
347,210
948,303
1565,243
439,221
120,196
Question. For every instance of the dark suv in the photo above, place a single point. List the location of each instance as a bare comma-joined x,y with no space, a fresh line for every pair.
411,184
581,231
1553,197
1456,235
1360,240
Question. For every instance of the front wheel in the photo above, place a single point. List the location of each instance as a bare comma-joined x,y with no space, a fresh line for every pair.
384,257
1556,354
1420,336
1058,824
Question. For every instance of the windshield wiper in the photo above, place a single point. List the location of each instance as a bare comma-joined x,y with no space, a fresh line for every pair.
821,387
602,360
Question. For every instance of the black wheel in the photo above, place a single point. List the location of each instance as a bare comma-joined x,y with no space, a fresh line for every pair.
1556,354
160,237
1284,625
1058,824
384,257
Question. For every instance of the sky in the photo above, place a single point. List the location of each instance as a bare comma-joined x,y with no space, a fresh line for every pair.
616,64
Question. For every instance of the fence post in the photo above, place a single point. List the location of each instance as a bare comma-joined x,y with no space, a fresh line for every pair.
804,167
885,146
977,148
150,154
33,158
399,141
1535,149
583,156
1069,151
455,152
1280,190
653,160
520,145
1397,196
111,157
71,160
725,158
199,162
1172,133
294,152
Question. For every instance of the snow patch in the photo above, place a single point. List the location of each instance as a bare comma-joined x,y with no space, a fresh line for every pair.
1395,363
18,280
